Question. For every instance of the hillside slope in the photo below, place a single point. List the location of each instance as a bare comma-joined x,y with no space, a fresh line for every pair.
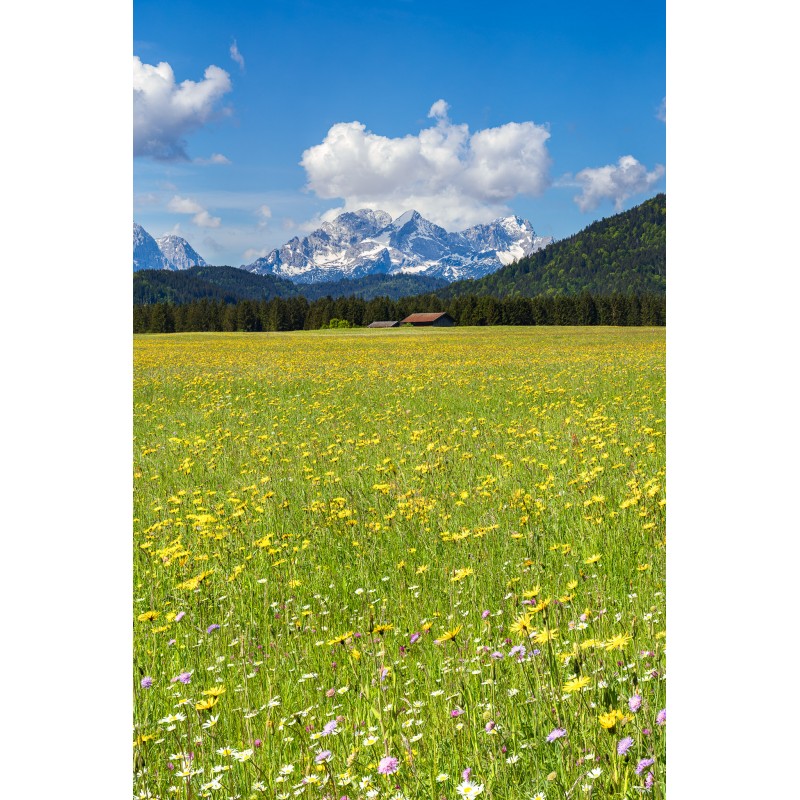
625,253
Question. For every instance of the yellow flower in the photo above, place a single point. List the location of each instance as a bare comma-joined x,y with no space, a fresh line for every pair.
545,635
204,705
576,684
610,719
592,559
354,654
462,573
148,616
448,635
422,568
532,592
381,629
540,606
643,567
522,625
215,691
618,642
341,639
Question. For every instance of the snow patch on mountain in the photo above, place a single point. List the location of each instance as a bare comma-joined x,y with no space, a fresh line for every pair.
179,252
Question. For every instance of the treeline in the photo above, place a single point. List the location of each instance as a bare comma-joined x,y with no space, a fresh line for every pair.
297,313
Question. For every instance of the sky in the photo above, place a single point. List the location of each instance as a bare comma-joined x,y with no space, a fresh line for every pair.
256,121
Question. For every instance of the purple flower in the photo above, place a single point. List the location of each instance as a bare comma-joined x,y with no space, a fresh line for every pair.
518,649
466,773
497,655
179,616
635,703
147,682
661,717
556,733
257,743
646,731
330,728
170,642
415,637
184,677
643,765
213,627
388,765
490,725
624,745
649,780
456,712
323,755
485,614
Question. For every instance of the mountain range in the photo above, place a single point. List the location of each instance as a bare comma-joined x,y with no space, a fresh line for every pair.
367,242
364,243
167,252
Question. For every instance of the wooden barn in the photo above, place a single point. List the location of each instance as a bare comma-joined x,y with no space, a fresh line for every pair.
440,320
384,324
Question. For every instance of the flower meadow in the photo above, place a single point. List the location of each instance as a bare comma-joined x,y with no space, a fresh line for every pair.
410,563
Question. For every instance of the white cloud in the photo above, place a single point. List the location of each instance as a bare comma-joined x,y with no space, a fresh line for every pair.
450,176
237,56
165,112
662,110
615,182
201,217
216,158
251,254
264,214
439,110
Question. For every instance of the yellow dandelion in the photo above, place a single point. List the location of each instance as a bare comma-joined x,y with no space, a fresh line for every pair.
422,568
522,625
341,639
610,719
448,635
545,635
381,629
576,684
532,592
204,705
618,642
148,616
215,691
592,559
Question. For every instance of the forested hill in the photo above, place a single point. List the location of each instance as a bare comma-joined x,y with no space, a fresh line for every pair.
232,285
623,254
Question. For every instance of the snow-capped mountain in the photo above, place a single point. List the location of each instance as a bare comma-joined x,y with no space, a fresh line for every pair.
179,252
167,252
369,242
146,252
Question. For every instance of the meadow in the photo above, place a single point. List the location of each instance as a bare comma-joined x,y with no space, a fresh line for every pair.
408,563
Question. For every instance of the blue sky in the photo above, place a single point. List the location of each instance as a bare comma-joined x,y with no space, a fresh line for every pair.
466,111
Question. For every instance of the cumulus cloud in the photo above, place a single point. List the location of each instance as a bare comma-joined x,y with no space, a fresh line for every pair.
615,182
165,112
200,216
237,56
451,176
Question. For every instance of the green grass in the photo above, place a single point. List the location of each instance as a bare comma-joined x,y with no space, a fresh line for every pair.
330,482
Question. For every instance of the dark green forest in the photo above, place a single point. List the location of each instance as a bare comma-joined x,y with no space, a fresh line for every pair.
232,284
296,313
626,253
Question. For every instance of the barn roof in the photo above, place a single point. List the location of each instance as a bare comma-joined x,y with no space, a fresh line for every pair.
424,317
383,324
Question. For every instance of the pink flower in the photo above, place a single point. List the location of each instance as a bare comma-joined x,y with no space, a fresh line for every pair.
388,765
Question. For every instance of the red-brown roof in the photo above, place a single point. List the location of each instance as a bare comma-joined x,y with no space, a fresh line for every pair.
424,317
